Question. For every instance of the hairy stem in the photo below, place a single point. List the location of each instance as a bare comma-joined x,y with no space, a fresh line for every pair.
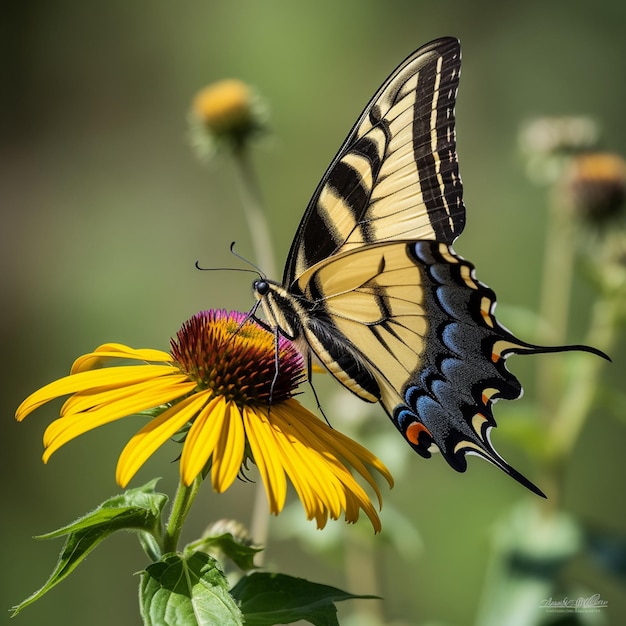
185,495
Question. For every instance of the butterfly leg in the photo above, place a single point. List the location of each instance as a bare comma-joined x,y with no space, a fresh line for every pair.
309,376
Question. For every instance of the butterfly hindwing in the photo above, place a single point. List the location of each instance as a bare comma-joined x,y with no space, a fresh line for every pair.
371,301
418,322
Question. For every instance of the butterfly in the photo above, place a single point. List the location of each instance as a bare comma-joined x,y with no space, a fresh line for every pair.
372,288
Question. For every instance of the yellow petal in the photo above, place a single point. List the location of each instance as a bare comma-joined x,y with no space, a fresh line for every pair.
263,447
311,477
323,483
69,427
322,437
85,400
156,433
308,473
201,439
110,351
125,375
228,454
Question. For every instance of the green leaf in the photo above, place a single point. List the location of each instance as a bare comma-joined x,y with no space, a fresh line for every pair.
266,599
237,550
136,509
187,591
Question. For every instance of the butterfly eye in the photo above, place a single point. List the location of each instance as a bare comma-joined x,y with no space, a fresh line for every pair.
261,287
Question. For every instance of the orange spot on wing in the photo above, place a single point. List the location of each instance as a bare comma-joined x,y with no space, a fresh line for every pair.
414,430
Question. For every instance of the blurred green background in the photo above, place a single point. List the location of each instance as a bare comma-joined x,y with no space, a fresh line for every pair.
105,210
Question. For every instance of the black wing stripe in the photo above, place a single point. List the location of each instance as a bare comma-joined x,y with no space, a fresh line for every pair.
344,199
434,147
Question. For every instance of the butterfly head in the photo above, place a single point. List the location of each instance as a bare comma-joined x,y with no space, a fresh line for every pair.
261,288
282,309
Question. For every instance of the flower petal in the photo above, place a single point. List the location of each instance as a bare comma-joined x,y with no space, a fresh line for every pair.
109,351
202,438
262,444
323,483
217,352
70,426
308,427
124,375
154,434
228,454
312,476
85,400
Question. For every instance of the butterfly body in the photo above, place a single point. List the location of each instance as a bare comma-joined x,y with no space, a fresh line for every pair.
372,288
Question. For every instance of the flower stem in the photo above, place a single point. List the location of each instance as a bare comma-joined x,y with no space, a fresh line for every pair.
565,398
569,420
264,251
185,496
253,209
558,270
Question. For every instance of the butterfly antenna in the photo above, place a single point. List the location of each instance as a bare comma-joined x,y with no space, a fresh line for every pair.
256,268
228,269
252,269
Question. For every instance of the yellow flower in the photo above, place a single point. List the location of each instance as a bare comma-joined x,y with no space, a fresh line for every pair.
227,112
224,105
219,386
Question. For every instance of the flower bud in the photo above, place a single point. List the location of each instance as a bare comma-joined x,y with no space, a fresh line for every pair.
547,144
226,112
596,184
567,134
229,526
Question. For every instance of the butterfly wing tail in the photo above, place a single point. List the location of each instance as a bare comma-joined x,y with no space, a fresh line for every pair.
529,348
488,452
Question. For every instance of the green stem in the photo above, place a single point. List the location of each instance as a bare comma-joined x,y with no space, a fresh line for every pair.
185,496
362,572
558,270
264,251
570,418
565,403
255,215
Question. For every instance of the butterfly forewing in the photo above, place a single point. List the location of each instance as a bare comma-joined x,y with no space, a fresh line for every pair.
396,175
